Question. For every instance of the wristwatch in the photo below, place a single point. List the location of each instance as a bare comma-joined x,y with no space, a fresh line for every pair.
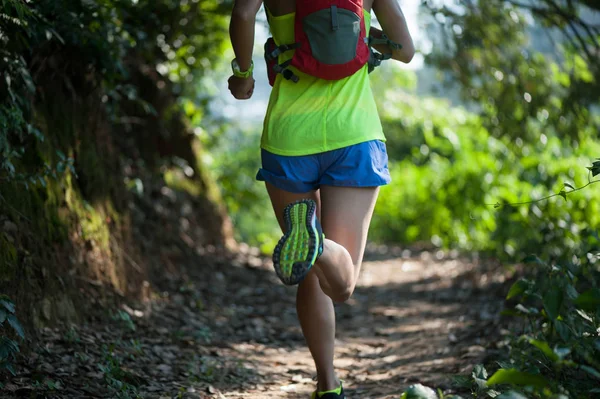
235,67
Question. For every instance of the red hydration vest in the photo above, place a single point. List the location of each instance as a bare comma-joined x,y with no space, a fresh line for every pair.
331,41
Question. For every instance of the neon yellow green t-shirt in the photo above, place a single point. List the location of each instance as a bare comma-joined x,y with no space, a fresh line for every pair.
316,115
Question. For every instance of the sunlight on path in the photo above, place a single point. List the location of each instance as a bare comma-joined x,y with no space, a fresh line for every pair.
229,330
401,327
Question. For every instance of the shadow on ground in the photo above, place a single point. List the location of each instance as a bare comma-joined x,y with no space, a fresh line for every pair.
229,329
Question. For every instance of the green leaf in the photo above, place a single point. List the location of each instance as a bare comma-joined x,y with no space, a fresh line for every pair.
545,348
2,315
8,305
56,35
519,287
569,186
511,395
510,312
461,381
563,194
572,292
533,259
418,391
12,320
589,300
516,377
505,364
592,371
563,330
562,352
72,169
552,301
481,384
522,309
584,315
11,368
480,372
36,132
8,348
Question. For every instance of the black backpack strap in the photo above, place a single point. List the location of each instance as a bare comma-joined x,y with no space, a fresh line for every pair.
384,40
286,73
271,54
375,58
280,50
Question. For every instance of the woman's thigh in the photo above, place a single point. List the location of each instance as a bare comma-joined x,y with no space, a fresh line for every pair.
281,198
346,214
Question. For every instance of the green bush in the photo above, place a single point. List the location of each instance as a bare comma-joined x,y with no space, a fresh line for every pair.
448,173
9,348
81,48
559,342
234,160
555,351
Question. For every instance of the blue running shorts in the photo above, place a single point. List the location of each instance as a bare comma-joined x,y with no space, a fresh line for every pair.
360,165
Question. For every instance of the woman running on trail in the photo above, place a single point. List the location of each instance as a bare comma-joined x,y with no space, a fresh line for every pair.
323,151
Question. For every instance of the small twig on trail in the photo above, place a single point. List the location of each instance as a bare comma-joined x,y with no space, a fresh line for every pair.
95,283
133,263
131,120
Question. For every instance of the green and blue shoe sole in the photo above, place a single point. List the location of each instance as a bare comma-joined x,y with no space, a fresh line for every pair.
301,244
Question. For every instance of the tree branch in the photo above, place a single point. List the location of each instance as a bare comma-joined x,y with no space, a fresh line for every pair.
562,193
570,18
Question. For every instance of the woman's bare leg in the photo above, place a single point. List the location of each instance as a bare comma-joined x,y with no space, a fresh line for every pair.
346,224
346,214
314,308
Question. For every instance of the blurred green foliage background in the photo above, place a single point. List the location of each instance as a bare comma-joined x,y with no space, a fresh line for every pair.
515,118
505,111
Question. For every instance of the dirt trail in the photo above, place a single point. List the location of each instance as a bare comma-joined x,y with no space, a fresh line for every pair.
230,330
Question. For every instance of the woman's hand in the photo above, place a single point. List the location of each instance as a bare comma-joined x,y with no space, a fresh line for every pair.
241,88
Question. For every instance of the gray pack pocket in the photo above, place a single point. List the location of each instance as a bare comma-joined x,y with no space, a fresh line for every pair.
333,35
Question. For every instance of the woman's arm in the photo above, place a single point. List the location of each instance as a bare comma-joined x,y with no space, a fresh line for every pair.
392,21
241,32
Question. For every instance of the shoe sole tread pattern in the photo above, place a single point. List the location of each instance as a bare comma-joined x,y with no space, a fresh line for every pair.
298,248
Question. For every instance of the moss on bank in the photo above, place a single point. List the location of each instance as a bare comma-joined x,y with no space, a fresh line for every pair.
82,239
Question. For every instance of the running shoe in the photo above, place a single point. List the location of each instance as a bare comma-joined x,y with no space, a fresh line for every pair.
333,394
301,244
